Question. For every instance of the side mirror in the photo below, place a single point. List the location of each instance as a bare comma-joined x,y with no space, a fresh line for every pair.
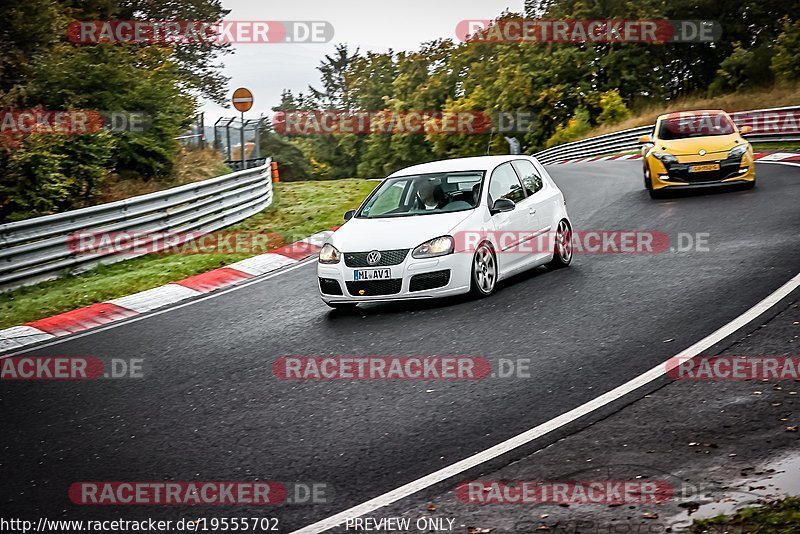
349,214
646,139
502,204
744,130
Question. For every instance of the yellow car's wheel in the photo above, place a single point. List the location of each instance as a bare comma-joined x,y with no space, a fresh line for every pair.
646,172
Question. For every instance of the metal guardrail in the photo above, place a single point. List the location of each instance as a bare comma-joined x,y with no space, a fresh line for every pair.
763,121
39,249
249,163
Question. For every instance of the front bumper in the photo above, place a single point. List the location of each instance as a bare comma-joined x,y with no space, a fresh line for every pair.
399,286
677,175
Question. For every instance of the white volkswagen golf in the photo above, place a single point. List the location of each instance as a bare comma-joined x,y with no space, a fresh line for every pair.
444,228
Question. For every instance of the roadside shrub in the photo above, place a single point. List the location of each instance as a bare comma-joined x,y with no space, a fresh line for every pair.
292,163
613,108
48,173
575,127
145,155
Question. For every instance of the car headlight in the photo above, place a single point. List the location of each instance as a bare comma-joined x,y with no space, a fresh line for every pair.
329,254
737,151
665,157
440,246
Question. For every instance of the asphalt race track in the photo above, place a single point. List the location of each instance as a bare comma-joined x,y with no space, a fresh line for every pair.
209,407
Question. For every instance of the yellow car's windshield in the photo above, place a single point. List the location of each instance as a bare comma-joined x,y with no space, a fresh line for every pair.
701,125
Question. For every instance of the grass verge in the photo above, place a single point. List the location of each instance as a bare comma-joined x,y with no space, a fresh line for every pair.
780,517
299,209
772,97
771,147
190,166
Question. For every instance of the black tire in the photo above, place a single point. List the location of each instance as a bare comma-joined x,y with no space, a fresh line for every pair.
484,271
562,248
342,305
646,173
750,185
655,194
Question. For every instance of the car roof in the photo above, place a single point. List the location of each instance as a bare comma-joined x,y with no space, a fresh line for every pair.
477,163
677,114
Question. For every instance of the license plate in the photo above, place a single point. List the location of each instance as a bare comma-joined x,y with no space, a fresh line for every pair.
703,168
372,274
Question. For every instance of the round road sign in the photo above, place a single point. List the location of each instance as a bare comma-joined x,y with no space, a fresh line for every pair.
242,99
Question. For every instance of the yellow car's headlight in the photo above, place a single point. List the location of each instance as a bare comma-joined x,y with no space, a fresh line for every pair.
665,157
737,151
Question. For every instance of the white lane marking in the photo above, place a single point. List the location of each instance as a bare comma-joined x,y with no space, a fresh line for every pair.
19,336
790,163
157,297
545,428
137,318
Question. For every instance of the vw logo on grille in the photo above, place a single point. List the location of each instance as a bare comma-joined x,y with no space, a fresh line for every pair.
373,257
702,152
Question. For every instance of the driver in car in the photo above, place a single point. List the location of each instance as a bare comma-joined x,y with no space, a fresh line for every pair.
430,196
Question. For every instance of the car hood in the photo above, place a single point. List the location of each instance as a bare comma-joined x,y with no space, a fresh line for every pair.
361,235
689,146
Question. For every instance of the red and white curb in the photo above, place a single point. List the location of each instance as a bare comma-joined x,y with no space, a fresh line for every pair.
598,158
777,156
102,313
759,156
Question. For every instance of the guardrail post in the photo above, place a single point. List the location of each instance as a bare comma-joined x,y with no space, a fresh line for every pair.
275,176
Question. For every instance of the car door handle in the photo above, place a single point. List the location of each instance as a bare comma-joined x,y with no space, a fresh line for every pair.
532,211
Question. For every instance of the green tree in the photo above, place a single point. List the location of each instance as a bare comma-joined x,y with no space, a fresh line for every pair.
786,61
118,78
575,127
45,173
613,108
743,69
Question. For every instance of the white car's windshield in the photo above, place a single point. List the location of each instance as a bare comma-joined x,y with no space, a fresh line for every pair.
424,194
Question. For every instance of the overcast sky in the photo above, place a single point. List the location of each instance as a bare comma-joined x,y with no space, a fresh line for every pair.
267,69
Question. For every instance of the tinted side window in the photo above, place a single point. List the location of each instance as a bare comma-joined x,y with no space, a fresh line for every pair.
530,177
505,184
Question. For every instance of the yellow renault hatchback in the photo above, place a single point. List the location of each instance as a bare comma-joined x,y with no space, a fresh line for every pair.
696,149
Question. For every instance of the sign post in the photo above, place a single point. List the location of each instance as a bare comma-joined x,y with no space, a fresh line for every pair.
242,101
